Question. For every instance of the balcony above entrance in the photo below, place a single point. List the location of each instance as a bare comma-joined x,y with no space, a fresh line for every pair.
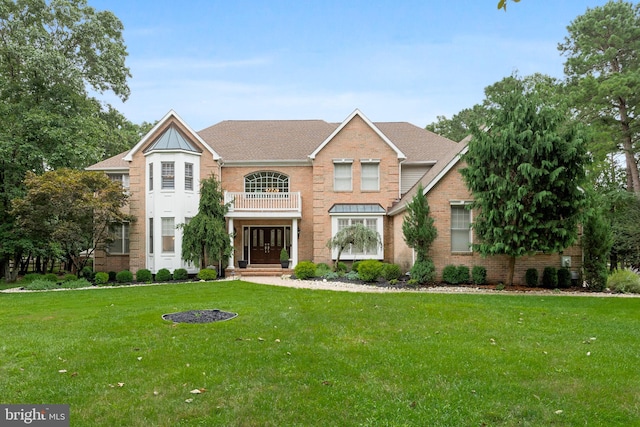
276,204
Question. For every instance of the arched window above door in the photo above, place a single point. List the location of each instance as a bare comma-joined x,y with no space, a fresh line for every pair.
266,182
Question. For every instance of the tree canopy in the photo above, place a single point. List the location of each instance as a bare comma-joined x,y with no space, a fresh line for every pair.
603,72
69,212
51,55
524,169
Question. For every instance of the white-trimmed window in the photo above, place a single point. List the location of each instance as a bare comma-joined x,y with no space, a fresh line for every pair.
266,182
370,175
168,175
150,176
342,175
120,236
150,235
188,176
352,252
460,228
122,178
168,235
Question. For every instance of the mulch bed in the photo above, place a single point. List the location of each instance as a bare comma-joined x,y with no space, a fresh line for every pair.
199,316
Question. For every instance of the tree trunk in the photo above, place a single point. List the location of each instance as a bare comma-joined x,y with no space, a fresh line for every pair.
512,268
627,147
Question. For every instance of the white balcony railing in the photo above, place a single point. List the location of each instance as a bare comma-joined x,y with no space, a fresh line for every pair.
263,202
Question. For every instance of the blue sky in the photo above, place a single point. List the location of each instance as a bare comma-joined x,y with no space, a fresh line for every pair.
394,60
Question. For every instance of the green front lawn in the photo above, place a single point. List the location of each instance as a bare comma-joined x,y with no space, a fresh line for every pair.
298,357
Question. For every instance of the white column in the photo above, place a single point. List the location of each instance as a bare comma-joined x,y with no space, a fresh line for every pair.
232,237
294,242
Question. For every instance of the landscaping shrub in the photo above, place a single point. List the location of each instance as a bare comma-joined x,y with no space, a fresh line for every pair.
564,278
352,275
112,276
88,273
180,274
423,272
204,274
102,278
550,278
624,281
69,278
144,275
462,274
449,275
52,277
369,270
531,277
342,267
124,276
355,265
479,275
30,277
40,285
305,270
391,272
76,283
322,270
163,275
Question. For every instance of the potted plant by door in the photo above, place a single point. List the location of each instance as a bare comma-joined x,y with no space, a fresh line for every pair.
242,263
284,258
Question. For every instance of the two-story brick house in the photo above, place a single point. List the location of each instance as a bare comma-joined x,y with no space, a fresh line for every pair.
294,184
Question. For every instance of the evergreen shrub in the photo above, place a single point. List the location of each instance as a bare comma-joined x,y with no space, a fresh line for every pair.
124,276
180,274
624,281
462,274
450,274
305,270
564,278
163,275
531,277
391,272
479,275
369,270
205,274
102,278
143,275
423,271
550,277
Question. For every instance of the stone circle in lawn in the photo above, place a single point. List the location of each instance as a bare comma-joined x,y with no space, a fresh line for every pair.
199,316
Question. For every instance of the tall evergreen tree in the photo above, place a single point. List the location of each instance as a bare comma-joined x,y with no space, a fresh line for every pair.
205,239
524,169
603,71
417,228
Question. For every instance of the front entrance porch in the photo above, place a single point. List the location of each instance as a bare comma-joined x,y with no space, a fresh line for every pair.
258,270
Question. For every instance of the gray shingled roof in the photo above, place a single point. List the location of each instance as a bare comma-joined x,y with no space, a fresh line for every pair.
112,163
255,140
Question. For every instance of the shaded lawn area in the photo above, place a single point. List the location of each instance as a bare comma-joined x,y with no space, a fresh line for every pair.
299,357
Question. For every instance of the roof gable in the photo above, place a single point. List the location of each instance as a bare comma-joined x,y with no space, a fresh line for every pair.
355,113
169,118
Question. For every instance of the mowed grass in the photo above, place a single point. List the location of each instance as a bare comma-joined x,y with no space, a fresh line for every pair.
297,357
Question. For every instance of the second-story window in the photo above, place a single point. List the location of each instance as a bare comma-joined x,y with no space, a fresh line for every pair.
122,178
342,175
370,175
266,182
168,175
188,176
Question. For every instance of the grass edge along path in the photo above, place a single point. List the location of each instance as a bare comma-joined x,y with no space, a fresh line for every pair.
306,357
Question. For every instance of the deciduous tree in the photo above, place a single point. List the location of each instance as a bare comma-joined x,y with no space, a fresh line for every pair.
70,212
356,235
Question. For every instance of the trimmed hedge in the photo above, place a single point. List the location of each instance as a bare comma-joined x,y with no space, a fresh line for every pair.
531,277
102,278
391,271
423,272
180,274
305,270
564,278
479,275
144,275
207,274
124,276
550,277
369,270
163,275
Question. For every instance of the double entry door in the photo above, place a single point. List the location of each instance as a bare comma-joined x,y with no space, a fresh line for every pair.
265,244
